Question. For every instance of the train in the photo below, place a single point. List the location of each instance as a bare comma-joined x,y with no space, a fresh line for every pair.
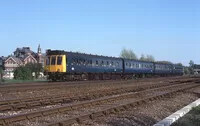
63,65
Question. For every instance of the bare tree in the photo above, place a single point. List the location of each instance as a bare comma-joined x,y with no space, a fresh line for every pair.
150,58
147,58
128,54
191,63
191,67
143,58
180,64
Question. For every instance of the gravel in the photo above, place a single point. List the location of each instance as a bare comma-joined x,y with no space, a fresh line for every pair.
146,114
75,90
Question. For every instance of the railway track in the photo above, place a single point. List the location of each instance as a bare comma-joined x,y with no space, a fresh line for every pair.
13,94
27,103
47,85
77,112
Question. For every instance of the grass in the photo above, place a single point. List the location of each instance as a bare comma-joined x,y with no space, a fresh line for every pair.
12,81
190,119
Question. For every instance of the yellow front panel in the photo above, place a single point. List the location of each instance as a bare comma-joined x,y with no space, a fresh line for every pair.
55,67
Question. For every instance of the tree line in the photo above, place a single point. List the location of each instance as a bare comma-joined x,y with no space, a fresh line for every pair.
129,54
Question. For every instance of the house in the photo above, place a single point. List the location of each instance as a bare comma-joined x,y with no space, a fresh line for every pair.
21,56
10,64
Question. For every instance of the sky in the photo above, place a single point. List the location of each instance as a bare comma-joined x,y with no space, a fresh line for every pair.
167,29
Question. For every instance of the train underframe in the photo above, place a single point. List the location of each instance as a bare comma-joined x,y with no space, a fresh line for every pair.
95,76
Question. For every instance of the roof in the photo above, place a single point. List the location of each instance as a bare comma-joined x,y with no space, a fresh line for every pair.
25,50
3,58
17,60
26,56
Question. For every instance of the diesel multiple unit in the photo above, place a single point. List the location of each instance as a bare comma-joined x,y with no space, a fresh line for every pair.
63,66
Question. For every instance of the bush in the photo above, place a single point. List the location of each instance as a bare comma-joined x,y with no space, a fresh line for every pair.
23,73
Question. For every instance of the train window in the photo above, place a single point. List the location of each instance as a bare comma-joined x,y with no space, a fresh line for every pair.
79,62
107,63
84,62
117,64
59,60
126,64
87,62
97,62
102,63
112,63
53,60
90,62
48,61
129,65
74,61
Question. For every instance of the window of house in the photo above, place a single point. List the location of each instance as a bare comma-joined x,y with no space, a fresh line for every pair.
59,60
53,60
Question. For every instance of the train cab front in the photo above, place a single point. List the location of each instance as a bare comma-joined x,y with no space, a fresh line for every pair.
55,65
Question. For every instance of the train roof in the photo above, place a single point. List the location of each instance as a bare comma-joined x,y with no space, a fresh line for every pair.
62,52
138,60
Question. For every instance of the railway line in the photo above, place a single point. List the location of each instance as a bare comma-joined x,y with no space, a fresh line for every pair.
44,85
37,91
61,111
24,103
